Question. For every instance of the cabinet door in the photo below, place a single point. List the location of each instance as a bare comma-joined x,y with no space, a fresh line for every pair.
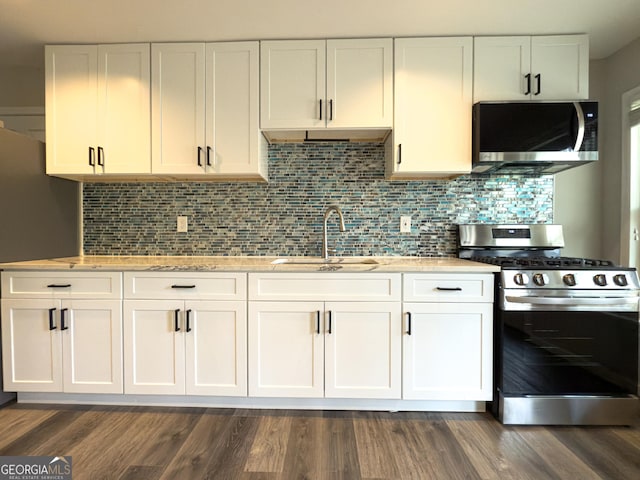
153,349
286,343
31,350
562,61
292,84
178,108
500,68
433,107
232,110
447,351
124,109
363,346
359,83
71,86
92,346
216,348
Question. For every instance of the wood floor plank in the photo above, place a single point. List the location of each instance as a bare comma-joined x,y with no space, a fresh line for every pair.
163,434
303,458
30,441
499,452
141,472
107,450
231,457
193,457
15,421
269,447
602,450
561,459
151,443
374,446
340,453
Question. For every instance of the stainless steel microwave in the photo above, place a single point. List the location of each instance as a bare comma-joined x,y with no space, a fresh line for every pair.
533,137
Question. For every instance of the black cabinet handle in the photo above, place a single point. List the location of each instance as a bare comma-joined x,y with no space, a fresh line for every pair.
92,157
199,156
330,318
52,320
399,153
176,320
59,285
539,84
101,156
183,286
528,77
188,320
331,109
62,319
318,322
449,289
209,156
408,323
320,109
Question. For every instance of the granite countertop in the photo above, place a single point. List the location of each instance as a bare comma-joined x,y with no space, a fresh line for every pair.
254,264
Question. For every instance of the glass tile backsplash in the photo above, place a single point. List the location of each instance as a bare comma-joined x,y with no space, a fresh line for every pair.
284,216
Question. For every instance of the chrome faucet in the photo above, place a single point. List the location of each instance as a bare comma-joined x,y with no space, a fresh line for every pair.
327,212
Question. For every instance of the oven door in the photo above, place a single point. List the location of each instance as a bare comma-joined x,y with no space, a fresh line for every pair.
566,352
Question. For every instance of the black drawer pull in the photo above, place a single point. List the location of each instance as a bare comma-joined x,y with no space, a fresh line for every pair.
52,321
59,285
62,319
318,322
183,286
408,323
330,318
189,320
176,320
449,289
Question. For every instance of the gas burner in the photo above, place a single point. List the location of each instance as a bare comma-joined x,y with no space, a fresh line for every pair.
548,263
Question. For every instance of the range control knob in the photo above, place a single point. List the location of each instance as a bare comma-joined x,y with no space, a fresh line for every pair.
541,279
600,279
521,278
620,280
569,279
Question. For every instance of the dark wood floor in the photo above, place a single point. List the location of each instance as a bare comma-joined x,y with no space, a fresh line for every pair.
145,443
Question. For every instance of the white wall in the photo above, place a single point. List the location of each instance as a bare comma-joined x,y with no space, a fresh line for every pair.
622,73
21,87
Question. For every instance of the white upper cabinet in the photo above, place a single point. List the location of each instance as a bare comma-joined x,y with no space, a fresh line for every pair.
205,110
531,68
315,84
97,109
433,100
178,108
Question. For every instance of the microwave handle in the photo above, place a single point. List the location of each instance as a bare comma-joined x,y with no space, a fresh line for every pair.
580,135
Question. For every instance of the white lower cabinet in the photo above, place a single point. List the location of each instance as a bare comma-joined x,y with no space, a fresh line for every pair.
447,354
333,349
185,347
52,345
448,337
185,333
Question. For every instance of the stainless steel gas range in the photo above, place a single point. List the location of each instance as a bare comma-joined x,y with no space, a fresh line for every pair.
566,330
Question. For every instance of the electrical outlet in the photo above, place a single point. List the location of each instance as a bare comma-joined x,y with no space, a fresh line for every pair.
182,224
405,224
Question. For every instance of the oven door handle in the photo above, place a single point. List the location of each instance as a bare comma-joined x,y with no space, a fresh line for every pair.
573,301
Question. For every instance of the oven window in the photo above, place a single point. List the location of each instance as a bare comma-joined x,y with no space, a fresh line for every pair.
565,353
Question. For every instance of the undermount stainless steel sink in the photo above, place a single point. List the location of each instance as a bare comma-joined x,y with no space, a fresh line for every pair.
324,261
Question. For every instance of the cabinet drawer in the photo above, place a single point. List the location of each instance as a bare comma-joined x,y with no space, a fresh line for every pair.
94,285
185,285
372,287
448,287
